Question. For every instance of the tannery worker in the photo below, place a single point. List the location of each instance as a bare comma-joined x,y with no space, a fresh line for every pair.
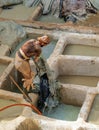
30,49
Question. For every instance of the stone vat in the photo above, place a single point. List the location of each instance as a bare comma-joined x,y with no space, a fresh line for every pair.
76,95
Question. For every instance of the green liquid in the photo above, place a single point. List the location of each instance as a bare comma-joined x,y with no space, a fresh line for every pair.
94,113
79,80
64,112
83,50
11,112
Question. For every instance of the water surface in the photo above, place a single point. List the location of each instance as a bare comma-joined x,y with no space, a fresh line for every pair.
17,12
83,50
94,113
90,81
50,19
64,112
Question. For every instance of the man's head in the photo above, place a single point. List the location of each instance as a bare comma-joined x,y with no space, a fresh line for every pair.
44,40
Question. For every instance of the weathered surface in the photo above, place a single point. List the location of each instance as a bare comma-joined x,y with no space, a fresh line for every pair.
95,3
28,124
11,33
30,120
36,13
55,26
9,2
31,3
0,10
47,6
28,3
5,50
63,65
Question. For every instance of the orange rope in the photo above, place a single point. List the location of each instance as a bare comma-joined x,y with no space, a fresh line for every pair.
33,107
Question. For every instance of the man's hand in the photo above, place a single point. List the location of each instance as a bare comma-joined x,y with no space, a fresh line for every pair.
28,83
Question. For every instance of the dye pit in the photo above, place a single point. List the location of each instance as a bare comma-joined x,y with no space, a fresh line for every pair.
17,12
64,112
12,113
81,50
2,68
93,117
90,81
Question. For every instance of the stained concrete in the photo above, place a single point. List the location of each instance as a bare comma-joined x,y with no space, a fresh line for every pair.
71,94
